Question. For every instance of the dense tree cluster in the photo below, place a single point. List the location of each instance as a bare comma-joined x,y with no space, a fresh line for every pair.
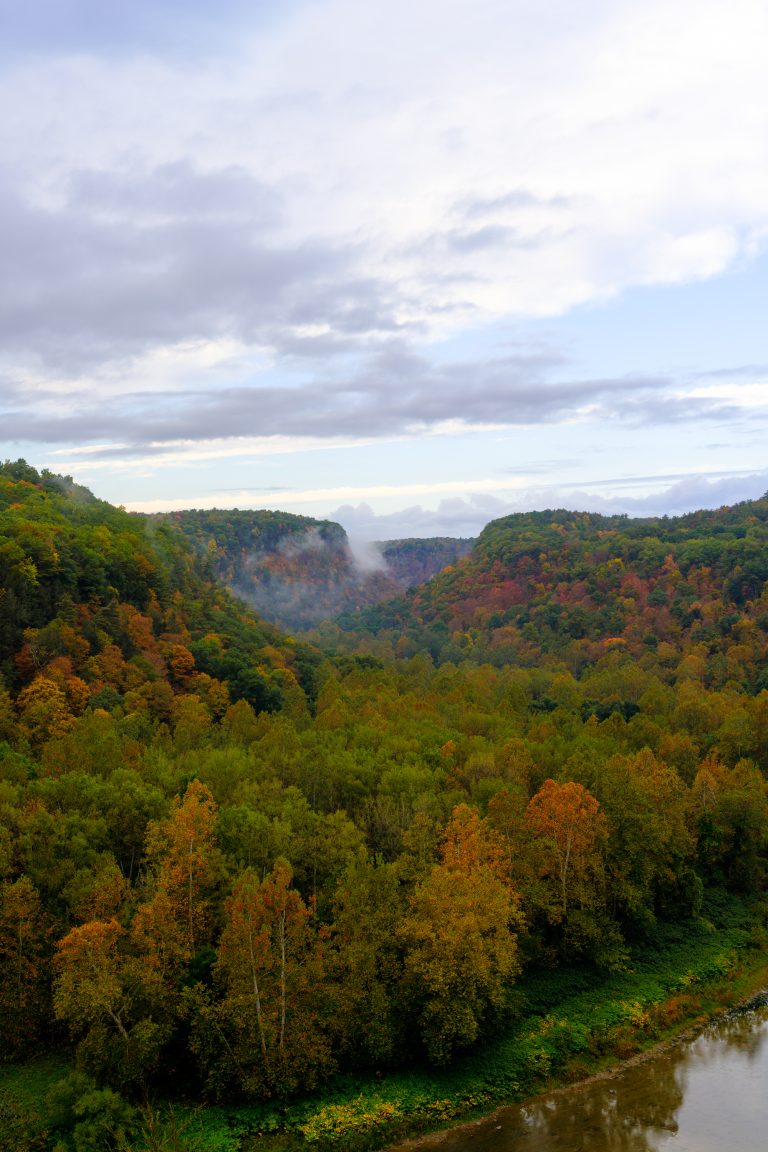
228,860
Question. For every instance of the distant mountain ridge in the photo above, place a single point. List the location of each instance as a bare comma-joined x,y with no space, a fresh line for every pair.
298,571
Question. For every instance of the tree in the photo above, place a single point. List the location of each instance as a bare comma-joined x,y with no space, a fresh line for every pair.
270,964
98,994
570,831
364,961
566,858
24,993
183,854
732,809
460,937
650,847
90,987
44,712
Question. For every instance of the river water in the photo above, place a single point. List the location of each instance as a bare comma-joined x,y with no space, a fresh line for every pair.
707,1094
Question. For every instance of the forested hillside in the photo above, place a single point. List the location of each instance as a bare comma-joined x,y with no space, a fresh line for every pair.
412,562
231,869
114,610
297,571
568,587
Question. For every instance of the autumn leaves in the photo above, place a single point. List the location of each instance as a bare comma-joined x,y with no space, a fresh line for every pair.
423,948
278,991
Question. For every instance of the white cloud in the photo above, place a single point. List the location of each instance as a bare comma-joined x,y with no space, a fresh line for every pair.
637,134
158,455
468,515
254,252
748,394
343,492
468,505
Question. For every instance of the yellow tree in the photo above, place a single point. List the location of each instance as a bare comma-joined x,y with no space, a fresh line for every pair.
99,994
460,937
158,963
90,986
569,832
183,856
44,713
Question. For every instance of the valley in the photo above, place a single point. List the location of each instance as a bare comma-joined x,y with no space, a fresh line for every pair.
444,847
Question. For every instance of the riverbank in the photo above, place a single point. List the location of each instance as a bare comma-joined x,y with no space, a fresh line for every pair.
756,982
569,1026
704,1090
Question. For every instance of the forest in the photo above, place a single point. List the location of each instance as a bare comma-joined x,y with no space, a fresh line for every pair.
237,864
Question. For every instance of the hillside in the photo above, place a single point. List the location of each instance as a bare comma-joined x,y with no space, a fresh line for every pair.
109,610
297,571
675,594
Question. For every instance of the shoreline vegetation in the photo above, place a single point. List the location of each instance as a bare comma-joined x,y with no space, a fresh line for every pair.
574,1025
571,1028
754,985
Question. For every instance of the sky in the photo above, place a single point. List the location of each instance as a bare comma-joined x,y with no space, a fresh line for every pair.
405,265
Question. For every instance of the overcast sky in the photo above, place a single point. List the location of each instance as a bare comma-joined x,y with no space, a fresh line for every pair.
410,265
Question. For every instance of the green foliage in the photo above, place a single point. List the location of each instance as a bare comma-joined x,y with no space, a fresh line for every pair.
20,1128
577,585
560,1015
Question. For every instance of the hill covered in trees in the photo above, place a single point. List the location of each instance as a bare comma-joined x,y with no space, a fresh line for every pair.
568,587
297,571
106,606
233,867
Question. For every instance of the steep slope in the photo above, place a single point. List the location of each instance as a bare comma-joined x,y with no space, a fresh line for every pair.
99,608
297,571
412,562
569,586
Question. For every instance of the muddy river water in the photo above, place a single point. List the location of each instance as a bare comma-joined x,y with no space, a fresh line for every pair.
705,1094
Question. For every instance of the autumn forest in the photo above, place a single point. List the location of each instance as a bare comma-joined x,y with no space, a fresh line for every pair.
245,854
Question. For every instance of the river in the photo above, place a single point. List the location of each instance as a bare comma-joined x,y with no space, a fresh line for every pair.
704,1094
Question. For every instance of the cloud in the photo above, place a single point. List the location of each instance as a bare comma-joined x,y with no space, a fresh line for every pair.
128,264
456,166
268,223
394,393
472,207
467,516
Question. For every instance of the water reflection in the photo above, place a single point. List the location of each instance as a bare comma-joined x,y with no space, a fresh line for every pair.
704,1095
616,1116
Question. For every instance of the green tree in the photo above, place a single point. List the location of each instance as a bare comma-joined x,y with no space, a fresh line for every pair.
24,975
364,962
